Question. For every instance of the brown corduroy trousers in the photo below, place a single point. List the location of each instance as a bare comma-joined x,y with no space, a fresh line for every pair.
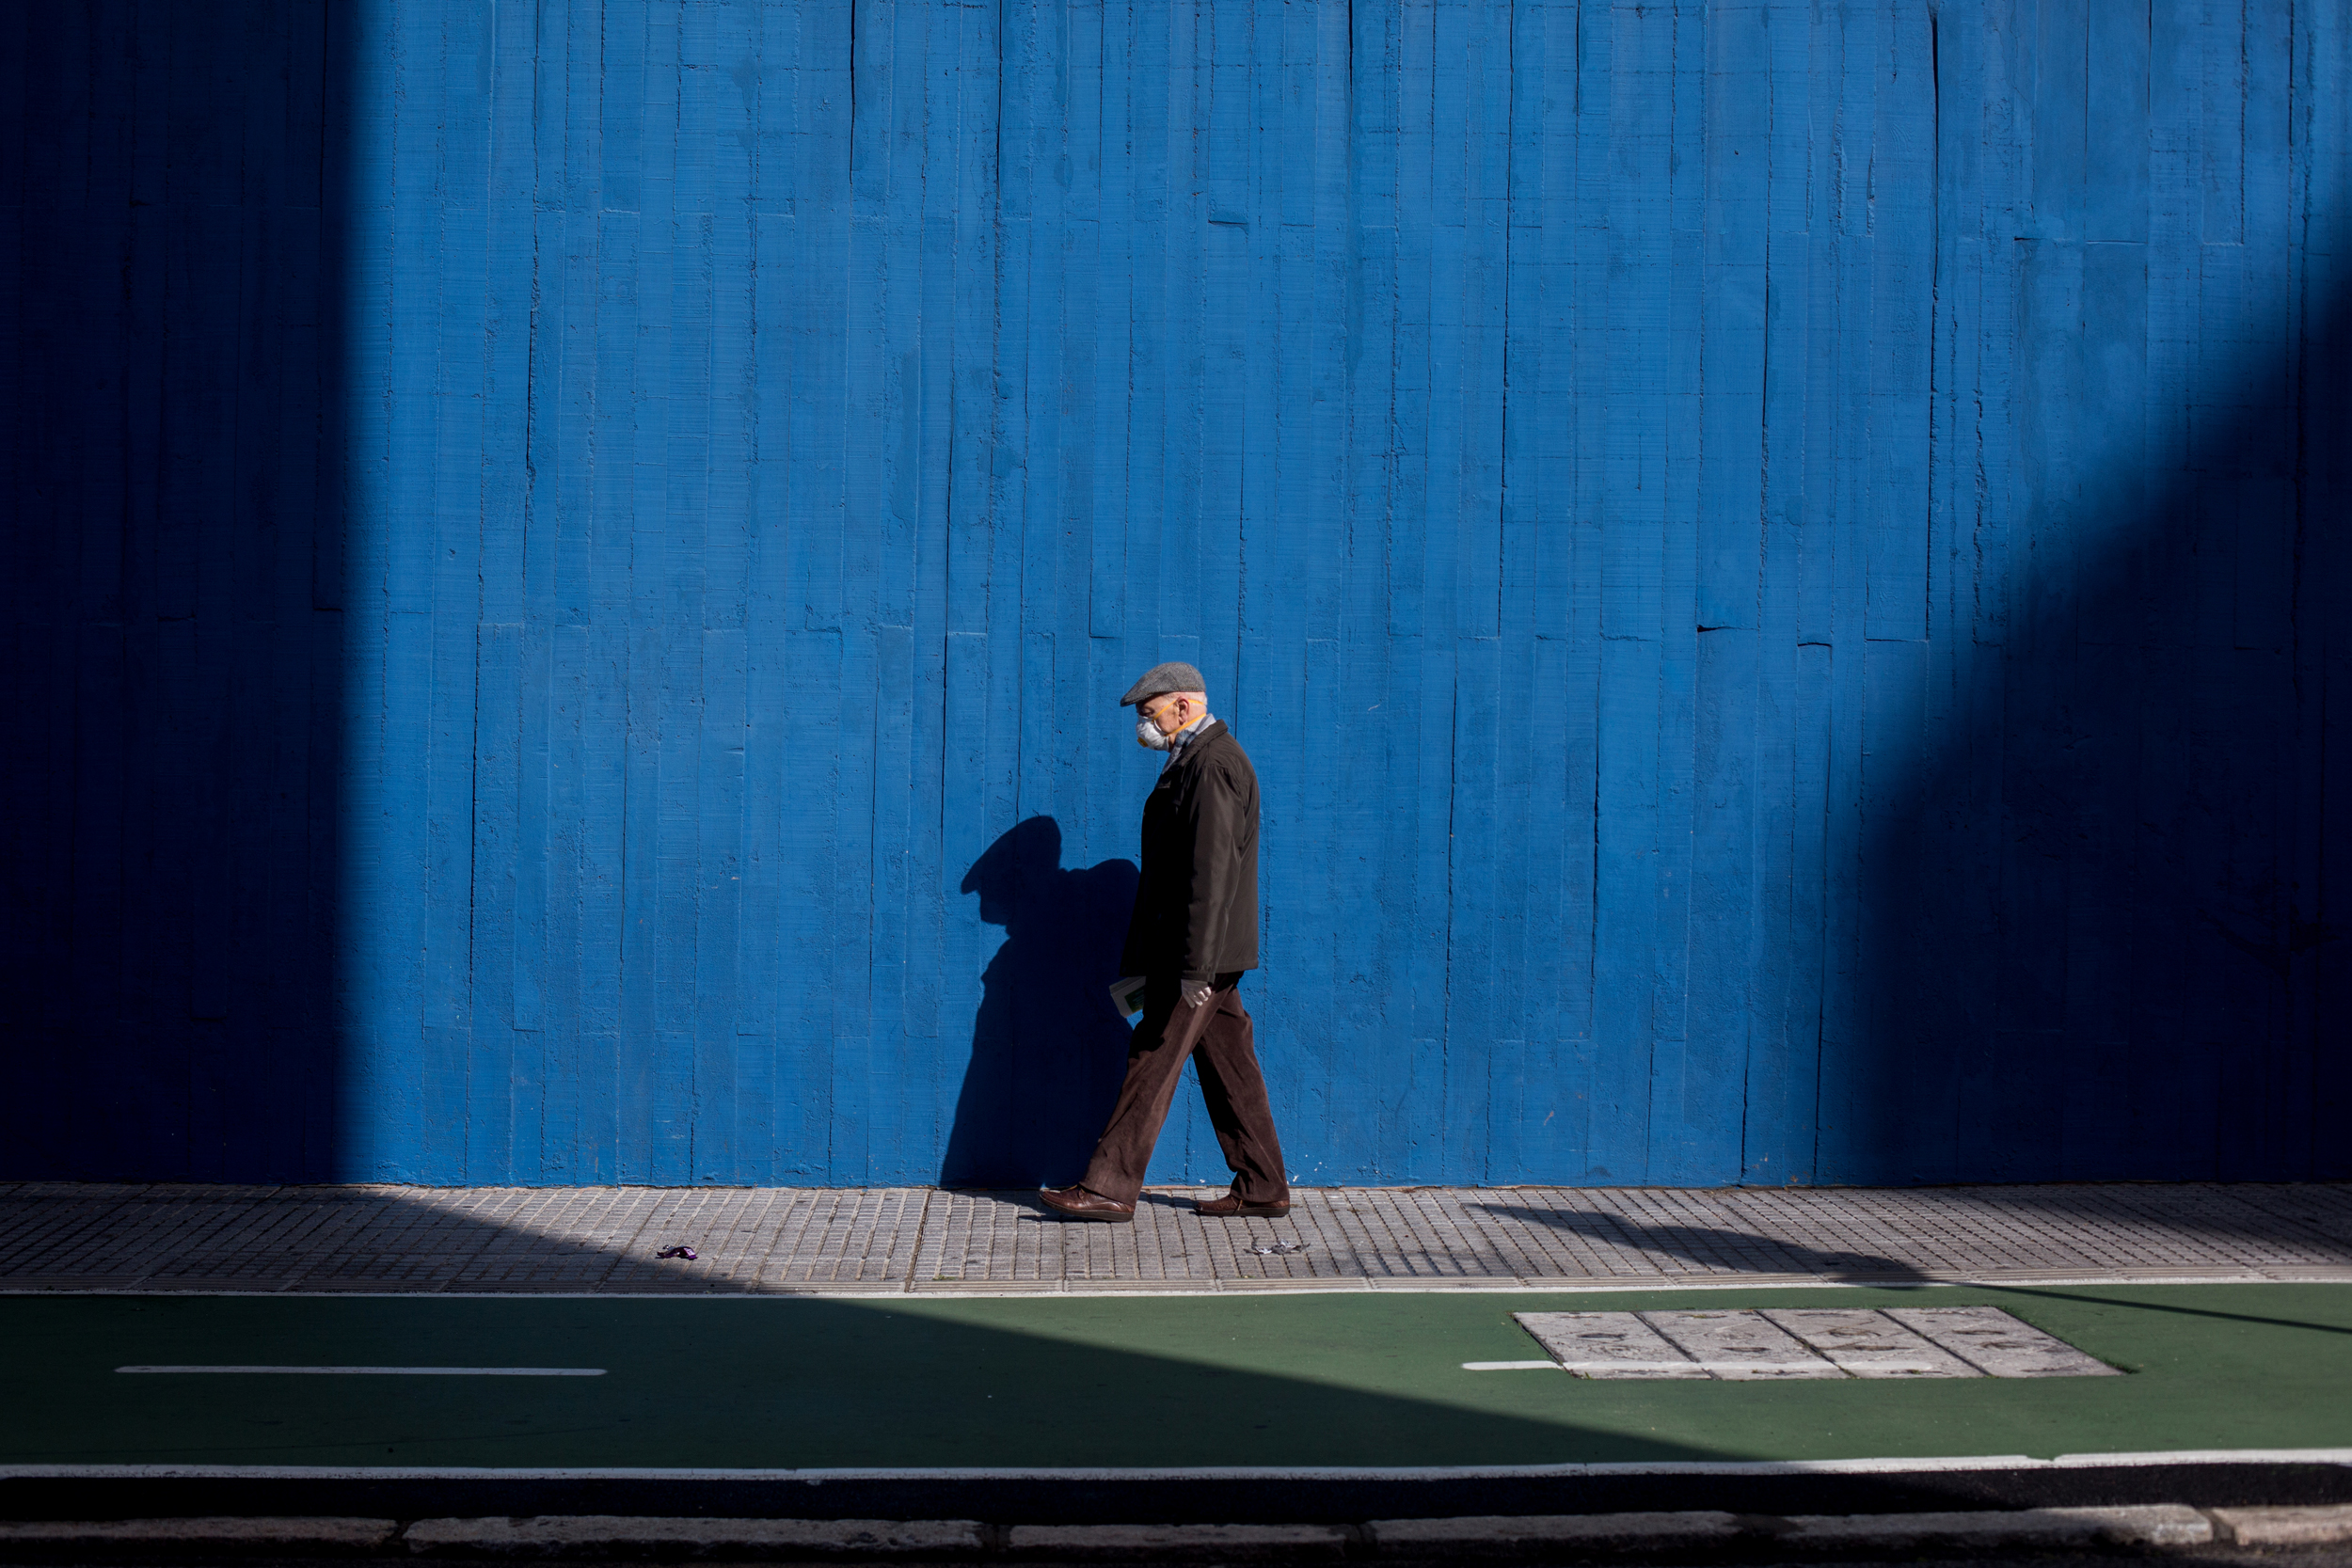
1218,1035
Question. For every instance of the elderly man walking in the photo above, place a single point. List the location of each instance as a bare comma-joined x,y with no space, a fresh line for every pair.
1194,932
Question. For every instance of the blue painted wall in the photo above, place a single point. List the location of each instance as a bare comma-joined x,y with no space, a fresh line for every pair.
1784,567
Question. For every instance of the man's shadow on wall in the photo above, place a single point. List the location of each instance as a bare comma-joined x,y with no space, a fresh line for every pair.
1048,1048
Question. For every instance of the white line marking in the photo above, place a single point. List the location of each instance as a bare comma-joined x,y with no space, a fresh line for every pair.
1336,1472
2207,1456
391,1372
1512,1366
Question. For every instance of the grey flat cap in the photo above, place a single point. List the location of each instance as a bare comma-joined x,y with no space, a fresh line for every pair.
1160,680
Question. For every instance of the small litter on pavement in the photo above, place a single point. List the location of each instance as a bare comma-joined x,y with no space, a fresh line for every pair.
1277,1249
685,1252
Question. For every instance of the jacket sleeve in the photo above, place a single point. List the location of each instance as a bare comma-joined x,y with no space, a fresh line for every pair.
1216,834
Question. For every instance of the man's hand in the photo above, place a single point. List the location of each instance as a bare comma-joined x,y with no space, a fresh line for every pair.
1194,992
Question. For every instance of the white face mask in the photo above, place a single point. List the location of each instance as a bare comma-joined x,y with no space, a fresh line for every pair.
1149,736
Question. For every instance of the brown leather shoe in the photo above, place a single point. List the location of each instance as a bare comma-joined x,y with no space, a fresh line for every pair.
1078,1204
1232,1206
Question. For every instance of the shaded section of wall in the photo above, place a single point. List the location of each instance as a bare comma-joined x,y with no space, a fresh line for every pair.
2094,866
169,492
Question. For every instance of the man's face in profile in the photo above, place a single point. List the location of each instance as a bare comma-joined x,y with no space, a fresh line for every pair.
1159,718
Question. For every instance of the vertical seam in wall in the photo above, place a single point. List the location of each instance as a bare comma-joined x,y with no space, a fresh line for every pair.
1503,454
1445,981
1445,1031
1502,422
1591,813
1935,312
1763,543
530,497
2245,95
1828,960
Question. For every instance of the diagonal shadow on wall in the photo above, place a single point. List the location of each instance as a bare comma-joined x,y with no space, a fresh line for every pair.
2104,933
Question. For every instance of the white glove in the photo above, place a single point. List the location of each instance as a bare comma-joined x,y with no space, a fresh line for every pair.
1194,992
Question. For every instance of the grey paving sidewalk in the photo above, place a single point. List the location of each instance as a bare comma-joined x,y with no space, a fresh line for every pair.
61,1236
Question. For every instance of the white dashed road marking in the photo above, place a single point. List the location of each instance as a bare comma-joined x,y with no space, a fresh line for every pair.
391,1372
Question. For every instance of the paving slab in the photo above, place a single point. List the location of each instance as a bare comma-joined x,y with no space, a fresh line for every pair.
602,1536
1869,1345
1738,1346
2284,1526
326,1536
1555,1533
1178,1543
1997,1344
2151,1525
1608,1345
604,1241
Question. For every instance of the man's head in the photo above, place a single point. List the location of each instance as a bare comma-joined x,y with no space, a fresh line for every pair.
1168,700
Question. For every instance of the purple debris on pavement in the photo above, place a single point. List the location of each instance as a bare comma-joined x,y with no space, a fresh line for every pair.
685,1252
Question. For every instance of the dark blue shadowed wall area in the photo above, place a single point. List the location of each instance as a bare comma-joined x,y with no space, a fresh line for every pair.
1784,568
170,590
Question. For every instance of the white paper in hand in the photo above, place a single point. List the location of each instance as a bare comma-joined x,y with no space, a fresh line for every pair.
1127,995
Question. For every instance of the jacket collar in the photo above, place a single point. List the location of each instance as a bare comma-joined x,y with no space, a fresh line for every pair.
1191,748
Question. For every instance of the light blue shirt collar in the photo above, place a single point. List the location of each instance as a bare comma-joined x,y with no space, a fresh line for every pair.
1183,737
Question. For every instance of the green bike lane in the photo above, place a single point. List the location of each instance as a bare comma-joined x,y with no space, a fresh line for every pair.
1357,1379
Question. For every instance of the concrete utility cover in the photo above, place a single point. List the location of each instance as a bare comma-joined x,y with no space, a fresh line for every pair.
1739,1347
1751,1346
1870,1344
1606,1345
1989,1338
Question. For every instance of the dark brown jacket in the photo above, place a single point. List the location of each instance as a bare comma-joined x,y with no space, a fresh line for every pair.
1197,906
